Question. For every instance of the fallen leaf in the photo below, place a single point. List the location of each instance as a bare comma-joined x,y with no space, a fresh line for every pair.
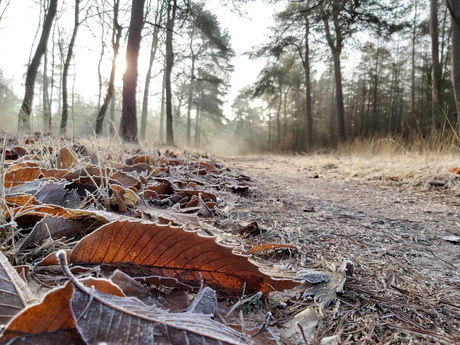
66,158
51,315
153,249
326,284
15,294
14,177
308,320
101,317
55,227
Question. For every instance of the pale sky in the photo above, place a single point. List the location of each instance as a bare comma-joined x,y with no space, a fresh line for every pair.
19,25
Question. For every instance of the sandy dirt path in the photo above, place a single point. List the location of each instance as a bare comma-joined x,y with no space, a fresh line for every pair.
393,235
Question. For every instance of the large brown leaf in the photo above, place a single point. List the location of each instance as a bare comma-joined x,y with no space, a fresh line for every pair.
111,319
14,177
51,315
169,251
15,294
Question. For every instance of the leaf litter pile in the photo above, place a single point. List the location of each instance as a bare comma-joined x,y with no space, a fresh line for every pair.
129,245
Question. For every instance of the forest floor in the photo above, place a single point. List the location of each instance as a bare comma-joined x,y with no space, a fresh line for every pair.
394,215
396,218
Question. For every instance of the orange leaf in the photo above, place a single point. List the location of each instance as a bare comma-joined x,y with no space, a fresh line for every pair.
172,252
51,315
103,285
143,159
455,170
21,200
15,177
66,158
52,259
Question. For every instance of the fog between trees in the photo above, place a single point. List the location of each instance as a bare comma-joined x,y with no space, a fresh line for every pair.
331,71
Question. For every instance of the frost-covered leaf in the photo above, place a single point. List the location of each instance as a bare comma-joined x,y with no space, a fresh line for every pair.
15,294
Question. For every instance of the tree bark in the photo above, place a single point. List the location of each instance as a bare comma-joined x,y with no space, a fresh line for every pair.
162,109
46,97
128,122
153,51
306,66
116,36
454,8
435,65
26,108
190,90
65,104
414,36
339,99
169,65
335,44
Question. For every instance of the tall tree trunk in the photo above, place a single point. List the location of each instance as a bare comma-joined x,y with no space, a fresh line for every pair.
435,65
46,97
414,36
190,91
278,120
53,69
26,108
454,8
169,65
339,99
190,97
162,108
306,66
153,51
65,105
128,122
116,36
197,126
335,43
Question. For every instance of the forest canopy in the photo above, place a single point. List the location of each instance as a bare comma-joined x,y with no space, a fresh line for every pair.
161,71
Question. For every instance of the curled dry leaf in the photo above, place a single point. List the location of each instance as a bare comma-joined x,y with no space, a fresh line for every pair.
102,317
326,284
151,249
15,294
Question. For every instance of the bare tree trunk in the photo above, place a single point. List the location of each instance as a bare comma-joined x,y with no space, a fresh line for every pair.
116,36
46,97
339,99
435,65
335,43
153,51
162,109
414,36
190,91
128,122
112,127
26,108
190,97
169,65
65,105
306,66
454,8
197,127
278,120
